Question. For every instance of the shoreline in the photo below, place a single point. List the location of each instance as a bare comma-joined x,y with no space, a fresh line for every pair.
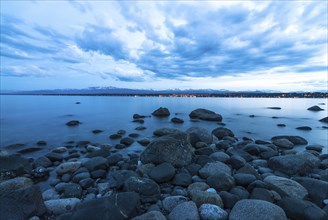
196,173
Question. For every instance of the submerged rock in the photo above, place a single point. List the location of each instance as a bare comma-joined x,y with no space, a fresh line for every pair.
304,128
73,123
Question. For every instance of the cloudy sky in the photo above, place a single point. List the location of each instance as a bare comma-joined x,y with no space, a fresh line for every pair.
245,45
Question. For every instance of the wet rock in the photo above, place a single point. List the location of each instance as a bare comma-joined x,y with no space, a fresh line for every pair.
177,120
140,121
162,172
221,132
54,156
151,215
174,149
184,211
296,140
50,194
182,179
205,114
200,186
237,161
144,141
315,108
115,136
199,134
221,182
286,187
73,123
317,148
220,156
301,209
148,190
140,128
166,131
42,162
29,150
283,143
104,151
281,125
12,166
133,135
96,163
71,190
261,194
68,167
137,116
97,131
60,206
252,209
229,199
203,197
211,169
87,183
274,108
304,128
161,112
113,159
325,120
126,141
244,179
170,202
212,212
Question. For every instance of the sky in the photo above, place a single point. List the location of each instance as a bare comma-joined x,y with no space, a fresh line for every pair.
234,45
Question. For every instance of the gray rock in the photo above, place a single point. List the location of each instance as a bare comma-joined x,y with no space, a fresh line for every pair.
126,141
96,163
222,132
252,209
50,194
199,134
204,197
80,176
317,189
148,190
54,157
170,202
182,179
212,212
15,184
71,190
304,128
184,211
283,143
315,108
296,140
301,209
144,141
205,114
152,215
240,191
113,159
201,186
317,148
60,206
12,166
325,120
220,156
177,120
286,187
244,179
86,183
211,169
42,162
166,131
161,112
262,194
174,149
229,199
221,182
118,206
162,172
68,167
236,161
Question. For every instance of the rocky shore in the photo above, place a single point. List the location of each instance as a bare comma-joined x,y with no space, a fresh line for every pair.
180,174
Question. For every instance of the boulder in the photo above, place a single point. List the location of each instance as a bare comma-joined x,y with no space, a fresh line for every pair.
177,120
73,123
304,128
126,141
184,211
286,187
299,209
13,165
170,202
161,112
96,163
147,189
166,131
296,140
221,182
204,197
183,179
174,149
222,132
162,172
118,206
151,215
214,168
68,167
212,212
199,134
61,206
283,143
325,120
252,209
205,114
315,108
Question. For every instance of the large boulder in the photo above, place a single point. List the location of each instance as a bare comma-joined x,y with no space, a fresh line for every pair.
162,172
286,187
301,209
174,149
222,132
161,112
252,209
318,189
199,134
205,114
120,206
61,206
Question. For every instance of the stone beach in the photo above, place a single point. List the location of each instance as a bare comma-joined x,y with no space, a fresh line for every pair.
180,174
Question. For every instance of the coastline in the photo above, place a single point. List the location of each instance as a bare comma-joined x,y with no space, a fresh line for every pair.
195,172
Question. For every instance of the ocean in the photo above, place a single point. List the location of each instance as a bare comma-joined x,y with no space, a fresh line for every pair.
29,119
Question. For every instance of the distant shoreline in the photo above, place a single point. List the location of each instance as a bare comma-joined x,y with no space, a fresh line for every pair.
203,95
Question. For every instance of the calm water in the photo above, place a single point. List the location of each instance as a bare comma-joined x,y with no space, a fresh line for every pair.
28,119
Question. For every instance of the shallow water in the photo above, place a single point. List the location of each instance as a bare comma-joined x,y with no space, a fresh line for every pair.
28,119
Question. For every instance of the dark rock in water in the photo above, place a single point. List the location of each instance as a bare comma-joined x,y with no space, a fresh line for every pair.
148,190
77,103
13,165
292,164
177,120
134,135
42,162
120,206
73,123
97,131
205,114
137,116
253,209
115,136
140,128
21,202
41,143
301,209
173,148
281,125
304,128
54,156
297,140
275,108
252,116
185,211
315,108
317,189
317,148
325,120
161,112
221,132
96,163
29,150
104,151
162,172
199,134
126,141
283,143
144,141
166,131
140,121
113,159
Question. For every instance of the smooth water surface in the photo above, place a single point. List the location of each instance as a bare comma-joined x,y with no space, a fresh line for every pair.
28,119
